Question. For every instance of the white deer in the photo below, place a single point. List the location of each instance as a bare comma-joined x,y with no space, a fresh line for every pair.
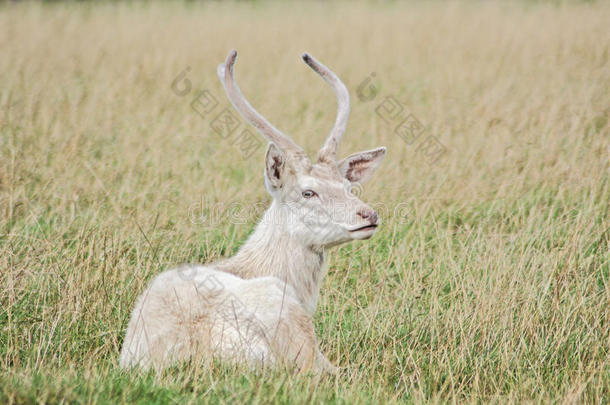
256,307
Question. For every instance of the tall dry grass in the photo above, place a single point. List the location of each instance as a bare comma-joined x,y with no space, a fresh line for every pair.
489,280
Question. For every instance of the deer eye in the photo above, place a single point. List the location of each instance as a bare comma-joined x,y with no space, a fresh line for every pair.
309,193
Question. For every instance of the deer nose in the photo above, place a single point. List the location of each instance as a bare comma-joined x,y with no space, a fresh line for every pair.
369,214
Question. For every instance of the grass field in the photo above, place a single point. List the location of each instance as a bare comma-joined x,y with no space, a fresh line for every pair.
488,281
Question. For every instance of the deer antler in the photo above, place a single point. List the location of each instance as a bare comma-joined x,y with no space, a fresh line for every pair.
328,153
284,143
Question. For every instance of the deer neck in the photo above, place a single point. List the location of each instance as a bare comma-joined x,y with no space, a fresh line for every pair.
273,250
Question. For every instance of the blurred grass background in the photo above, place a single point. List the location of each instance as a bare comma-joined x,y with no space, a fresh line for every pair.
489,280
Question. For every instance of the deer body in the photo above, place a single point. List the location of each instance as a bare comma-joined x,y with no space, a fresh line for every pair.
256,307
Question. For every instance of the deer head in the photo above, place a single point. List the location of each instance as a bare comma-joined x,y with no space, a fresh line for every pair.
314,200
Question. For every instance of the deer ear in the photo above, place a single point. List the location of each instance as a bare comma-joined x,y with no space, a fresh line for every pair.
275,164
360,166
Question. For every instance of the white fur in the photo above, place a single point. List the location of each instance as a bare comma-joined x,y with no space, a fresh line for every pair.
194,309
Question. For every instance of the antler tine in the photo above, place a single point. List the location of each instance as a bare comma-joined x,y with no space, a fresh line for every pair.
328,153
226,74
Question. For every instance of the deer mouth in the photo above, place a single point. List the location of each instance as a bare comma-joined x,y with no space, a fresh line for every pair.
365,228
